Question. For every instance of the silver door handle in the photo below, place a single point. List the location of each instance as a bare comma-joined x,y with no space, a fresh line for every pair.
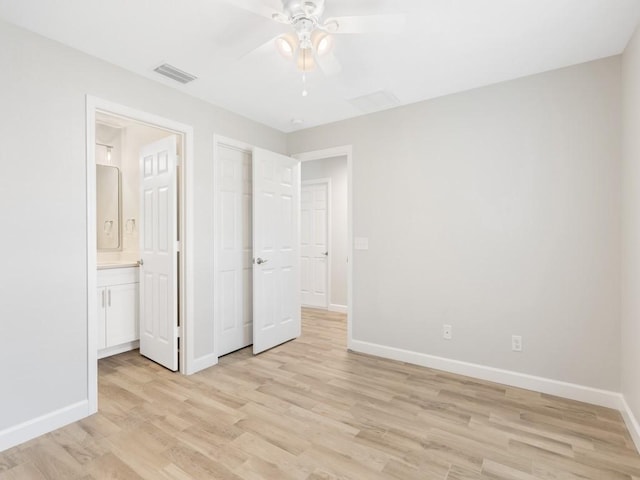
260,261
141,262
109,295
326,254
103,298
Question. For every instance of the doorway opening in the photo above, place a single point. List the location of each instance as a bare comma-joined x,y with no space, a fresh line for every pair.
256,247
248,223
323,234
139,210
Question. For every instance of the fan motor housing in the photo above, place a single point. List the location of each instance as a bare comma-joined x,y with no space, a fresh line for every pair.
297,9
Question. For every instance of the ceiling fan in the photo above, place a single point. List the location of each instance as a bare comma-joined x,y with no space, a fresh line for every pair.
310,42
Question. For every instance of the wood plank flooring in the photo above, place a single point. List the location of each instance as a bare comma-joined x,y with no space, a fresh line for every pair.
311,410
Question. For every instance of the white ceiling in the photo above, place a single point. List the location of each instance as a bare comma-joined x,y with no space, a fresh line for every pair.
447,46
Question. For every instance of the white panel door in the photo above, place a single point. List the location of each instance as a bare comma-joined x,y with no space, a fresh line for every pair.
234,270
158,247
314,244
276,249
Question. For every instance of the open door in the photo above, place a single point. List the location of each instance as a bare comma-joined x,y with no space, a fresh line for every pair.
158,247
276,249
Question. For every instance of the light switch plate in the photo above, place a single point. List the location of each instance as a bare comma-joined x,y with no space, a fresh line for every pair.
361,243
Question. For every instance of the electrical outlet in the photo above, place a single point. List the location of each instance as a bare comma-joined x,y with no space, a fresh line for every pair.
447,332
516,343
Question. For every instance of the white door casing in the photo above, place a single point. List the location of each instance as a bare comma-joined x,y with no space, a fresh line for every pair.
276,249
314,243
233,256
158,247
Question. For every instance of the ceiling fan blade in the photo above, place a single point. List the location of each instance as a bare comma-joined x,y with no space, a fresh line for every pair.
269,9
392,23
329,64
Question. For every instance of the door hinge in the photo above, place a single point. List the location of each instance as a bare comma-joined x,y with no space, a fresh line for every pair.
178,246
179,332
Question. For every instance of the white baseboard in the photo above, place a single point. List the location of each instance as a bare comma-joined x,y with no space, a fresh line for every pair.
334,307
631,422
201,363
572,391
12,436
125,347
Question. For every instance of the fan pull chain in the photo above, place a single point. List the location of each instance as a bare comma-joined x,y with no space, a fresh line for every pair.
304,85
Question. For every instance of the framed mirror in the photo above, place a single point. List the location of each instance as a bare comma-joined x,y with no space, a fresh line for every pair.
108,208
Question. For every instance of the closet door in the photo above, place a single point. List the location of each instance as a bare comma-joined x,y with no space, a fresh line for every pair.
233,249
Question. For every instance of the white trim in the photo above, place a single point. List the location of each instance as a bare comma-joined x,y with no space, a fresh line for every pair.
187,275
334,307
206,361
327,182
549,386
631,422
345,150
35,427
186,280
115,350
92,253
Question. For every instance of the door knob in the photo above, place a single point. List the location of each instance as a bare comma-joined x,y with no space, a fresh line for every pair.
260,261
326,254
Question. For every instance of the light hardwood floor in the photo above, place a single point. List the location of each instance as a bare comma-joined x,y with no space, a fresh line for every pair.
311,410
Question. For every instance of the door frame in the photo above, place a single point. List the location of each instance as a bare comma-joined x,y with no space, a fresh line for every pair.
327,182
341,151
186,211
244,147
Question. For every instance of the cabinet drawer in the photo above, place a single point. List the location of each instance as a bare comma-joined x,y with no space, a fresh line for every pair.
118,276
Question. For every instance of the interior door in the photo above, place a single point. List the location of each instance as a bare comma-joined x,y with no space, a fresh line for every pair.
276,249
158,247
314,240
233,258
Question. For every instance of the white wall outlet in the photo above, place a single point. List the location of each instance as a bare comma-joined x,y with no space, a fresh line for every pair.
447,332
516,343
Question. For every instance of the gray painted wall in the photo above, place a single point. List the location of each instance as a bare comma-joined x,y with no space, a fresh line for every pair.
43,285
496,211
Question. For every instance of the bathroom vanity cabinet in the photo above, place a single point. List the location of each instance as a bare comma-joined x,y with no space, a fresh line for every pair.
118,318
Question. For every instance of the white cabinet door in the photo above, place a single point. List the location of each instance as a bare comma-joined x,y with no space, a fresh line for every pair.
102,317
276,249
158,246
122,314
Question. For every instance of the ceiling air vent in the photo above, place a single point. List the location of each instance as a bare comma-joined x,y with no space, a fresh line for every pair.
375,102
173,73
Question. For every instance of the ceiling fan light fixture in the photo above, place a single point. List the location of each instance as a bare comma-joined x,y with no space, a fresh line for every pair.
285,47
306,62
324,45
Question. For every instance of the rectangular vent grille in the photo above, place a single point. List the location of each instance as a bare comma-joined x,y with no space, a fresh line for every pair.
174,73
375,102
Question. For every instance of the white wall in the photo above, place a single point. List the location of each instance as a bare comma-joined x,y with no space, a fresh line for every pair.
336,170
631,226
43,286
496,211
